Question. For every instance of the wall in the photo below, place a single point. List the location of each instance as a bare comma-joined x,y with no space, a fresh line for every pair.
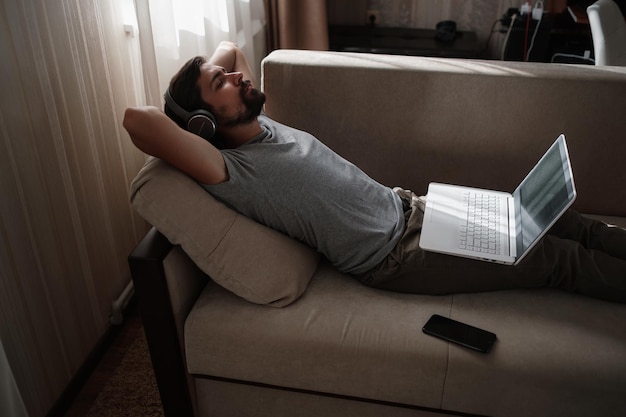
66,227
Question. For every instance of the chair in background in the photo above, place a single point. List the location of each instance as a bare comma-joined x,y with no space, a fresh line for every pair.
608,30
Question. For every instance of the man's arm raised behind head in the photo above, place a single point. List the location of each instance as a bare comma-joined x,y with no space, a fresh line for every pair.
229,56
157,135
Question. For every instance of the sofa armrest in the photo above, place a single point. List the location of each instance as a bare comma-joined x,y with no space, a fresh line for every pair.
159,316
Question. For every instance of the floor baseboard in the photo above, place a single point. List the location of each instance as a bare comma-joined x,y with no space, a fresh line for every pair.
78,394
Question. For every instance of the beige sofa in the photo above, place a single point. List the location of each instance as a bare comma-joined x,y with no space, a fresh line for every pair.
338,348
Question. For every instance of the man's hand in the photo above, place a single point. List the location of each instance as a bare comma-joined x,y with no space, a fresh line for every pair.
157,135
229,56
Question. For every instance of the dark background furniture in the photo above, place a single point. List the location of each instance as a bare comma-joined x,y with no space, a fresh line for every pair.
401,41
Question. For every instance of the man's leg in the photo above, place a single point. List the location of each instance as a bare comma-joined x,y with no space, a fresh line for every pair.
554,262
592,234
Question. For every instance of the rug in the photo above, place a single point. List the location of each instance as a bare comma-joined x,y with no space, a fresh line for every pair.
131,390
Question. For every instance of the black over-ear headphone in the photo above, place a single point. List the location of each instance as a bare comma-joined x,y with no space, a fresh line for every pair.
200,122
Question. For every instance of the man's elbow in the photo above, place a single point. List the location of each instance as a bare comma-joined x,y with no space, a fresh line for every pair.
135,124
130,119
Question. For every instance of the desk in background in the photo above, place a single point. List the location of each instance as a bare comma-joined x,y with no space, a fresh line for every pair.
401,41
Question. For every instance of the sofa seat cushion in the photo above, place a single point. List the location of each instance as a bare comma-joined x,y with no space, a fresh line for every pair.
340,337
557,354
253,261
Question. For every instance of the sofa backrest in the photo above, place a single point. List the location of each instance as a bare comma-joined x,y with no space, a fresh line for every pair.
407,121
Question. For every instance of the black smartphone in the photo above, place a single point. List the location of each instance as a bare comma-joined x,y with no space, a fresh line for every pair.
459,333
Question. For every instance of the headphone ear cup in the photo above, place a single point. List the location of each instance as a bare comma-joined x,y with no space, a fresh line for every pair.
202,123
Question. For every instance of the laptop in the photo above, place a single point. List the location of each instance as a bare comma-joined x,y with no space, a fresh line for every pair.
496,226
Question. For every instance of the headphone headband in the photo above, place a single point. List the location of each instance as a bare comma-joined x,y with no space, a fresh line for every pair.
200,122
171,103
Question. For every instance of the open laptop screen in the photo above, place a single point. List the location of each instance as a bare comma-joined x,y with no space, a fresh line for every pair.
546,192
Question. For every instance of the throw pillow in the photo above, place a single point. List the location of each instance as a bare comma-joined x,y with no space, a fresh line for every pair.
251,260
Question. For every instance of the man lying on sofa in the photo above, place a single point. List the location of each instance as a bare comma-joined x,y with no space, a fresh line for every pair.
288,180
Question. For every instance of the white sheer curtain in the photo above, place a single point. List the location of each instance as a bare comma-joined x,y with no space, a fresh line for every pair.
69,69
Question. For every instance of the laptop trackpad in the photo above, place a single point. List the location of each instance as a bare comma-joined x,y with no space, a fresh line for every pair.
444,213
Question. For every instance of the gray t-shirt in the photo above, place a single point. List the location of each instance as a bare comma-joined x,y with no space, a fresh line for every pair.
288,180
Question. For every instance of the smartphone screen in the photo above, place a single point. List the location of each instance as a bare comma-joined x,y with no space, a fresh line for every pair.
460,333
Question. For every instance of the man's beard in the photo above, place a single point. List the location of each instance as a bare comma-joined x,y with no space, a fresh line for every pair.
253,104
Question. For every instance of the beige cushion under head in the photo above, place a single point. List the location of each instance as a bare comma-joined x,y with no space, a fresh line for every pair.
251,260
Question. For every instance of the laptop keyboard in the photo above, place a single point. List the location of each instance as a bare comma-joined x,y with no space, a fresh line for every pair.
480,232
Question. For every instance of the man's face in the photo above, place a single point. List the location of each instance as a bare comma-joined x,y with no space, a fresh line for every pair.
234,99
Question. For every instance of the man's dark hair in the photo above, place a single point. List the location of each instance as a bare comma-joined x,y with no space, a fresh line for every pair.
185,90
